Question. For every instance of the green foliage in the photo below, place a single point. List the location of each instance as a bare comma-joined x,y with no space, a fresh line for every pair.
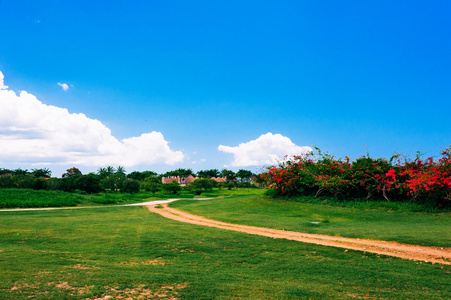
71,172
89,183
130,186
106,171
208,173
141,175
229,185
172,187
151,183
112,182
120,170
179,172
244,175
5,182
228,174
5,171
245,184
25,181
20,172
45,173
26,198
201,184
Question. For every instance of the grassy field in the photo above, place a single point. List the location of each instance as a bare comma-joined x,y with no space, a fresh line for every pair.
130,252
432,229
27,198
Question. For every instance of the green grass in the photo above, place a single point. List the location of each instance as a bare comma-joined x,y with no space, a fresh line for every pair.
431,229
128,251
232,192
24,198
401,206
27,198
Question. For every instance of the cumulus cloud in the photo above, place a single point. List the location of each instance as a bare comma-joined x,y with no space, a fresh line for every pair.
2,85
266,150
33,132
64,86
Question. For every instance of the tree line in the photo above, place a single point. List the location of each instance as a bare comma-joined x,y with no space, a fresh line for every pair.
116,179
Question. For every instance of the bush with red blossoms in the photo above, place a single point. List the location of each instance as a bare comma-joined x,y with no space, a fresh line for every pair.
396,179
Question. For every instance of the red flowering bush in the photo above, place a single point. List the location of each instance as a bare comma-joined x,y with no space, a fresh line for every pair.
365,177
420,180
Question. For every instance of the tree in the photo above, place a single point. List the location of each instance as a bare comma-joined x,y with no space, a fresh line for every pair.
183,173
45,173
20,172
5,171
141,175
25,181
208,173
201,184
229,185
89,183
5,181
110,170
112,182
228,174
120,170
152,183
130,186
104,172
71,172
172,187
244,175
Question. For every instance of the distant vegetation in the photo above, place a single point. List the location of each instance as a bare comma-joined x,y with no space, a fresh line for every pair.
109,185
115,179
424,184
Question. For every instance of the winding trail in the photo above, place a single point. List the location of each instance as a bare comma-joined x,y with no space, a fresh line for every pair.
421,253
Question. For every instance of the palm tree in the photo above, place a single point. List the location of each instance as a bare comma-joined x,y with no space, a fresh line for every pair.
110,170
102,172
120,170
46,173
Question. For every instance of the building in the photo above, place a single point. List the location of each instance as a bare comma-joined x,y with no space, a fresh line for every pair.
180,180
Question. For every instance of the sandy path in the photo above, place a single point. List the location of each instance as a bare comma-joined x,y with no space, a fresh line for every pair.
422,253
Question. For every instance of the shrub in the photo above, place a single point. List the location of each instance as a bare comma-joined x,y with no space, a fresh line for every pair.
152,183
130,186
426,181
172,187
201,184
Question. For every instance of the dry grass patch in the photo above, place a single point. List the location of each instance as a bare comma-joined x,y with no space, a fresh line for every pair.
153,262
41,289
141,292
81,267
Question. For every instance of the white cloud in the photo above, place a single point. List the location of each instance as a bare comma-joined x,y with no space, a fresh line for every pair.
33,132
266,150
2,84
64,86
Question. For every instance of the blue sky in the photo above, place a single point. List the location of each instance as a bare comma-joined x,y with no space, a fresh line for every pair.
335,74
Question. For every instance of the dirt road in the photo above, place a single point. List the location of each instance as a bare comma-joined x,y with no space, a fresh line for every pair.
421,253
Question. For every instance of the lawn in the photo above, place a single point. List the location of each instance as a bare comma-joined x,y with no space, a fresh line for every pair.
431,229
28,198
130,252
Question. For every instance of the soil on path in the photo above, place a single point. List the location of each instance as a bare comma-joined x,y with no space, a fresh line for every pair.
422,253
